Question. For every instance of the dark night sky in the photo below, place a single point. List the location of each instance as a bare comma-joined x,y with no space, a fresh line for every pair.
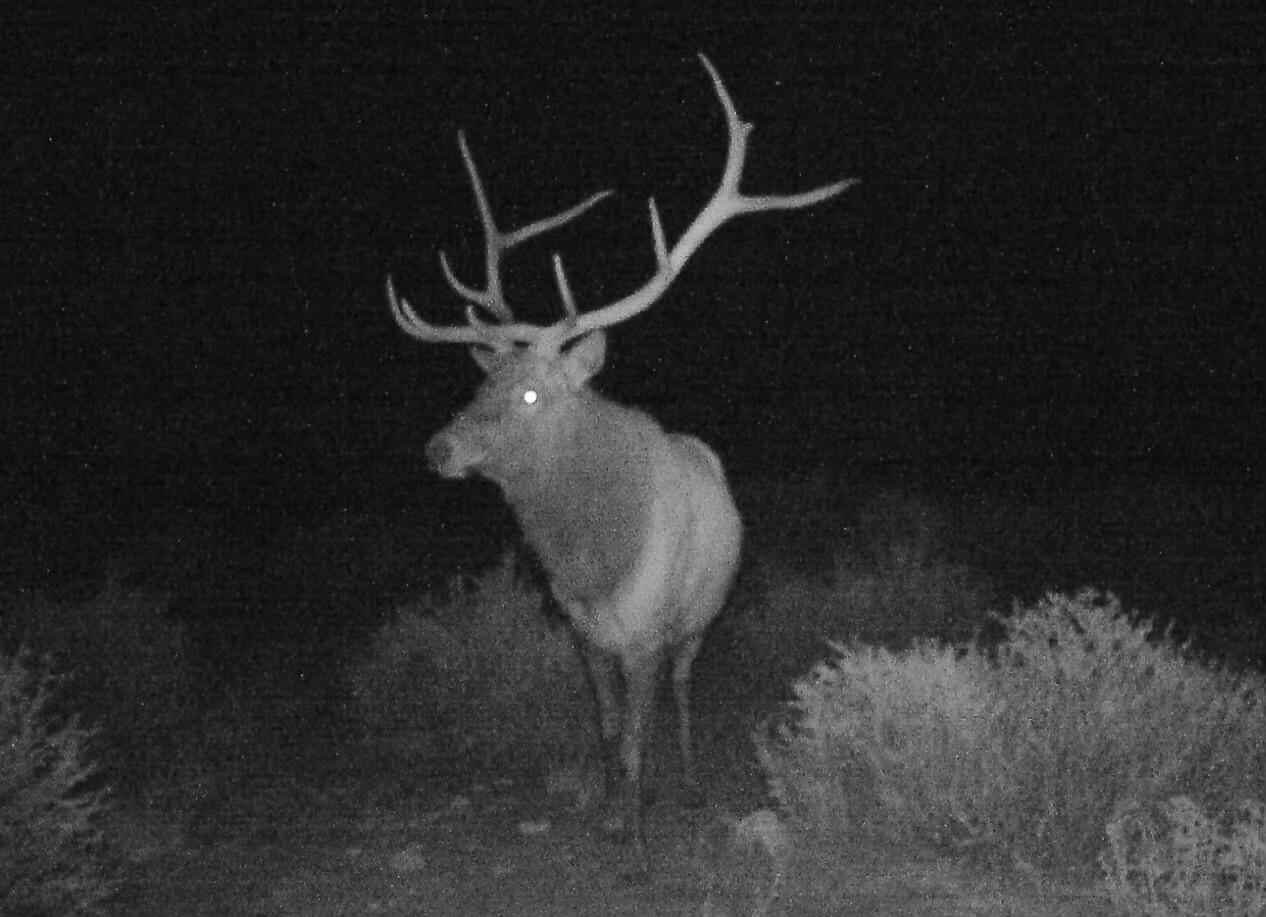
1054,263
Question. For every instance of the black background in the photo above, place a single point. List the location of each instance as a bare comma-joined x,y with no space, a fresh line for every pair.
1052,269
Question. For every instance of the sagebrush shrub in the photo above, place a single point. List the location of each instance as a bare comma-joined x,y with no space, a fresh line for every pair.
887,742
51,853
1112,710
1024,750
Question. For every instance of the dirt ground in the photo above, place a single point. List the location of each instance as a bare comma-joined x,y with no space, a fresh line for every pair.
510,848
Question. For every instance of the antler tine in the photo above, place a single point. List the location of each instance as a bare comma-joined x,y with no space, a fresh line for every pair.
564,288
545,225
496,243
475,331
726,203
415,326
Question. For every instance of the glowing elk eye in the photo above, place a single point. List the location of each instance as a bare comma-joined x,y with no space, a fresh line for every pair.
530,396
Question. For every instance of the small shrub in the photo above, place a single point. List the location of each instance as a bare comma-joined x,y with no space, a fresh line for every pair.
1017,753
1173,860
127,672
477,671
50,845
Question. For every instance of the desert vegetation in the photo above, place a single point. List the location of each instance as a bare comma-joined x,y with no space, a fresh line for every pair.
873,681
1035,750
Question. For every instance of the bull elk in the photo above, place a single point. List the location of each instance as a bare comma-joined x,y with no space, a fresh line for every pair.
635,527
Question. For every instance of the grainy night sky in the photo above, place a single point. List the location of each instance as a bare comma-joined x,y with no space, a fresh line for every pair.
1053,265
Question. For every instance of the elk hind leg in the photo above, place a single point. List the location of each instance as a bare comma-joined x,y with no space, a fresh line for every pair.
603,677
683,659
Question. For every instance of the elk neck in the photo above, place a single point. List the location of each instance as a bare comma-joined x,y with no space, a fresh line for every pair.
584,500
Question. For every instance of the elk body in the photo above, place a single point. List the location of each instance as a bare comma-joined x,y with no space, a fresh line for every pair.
635,527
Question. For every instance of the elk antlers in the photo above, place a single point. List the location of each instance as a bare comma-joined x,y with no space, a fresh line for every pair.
726,203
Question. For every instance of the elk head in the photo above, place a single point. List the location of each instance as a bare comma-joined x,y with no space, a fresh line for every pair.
534,376
524,406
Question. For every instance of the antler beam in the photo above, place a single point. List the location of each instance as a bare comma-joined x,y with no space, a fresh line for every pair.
726,203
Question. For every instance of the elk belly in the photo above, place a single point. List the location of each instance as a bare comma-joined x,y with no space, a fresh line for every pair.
637,616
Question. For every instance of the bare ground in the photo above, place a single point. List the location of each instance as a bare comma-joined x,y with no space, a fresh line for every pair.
514,849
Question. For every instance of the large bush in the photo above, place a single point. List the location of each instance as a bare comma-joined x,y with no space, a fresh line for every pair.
1025,752
50,843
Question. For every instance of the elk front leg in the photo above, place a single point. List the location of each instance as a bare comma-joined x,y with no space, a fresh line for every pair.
640,675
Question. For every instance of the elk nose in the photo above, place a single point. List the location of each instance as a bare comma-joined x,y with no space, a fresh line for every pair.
438,452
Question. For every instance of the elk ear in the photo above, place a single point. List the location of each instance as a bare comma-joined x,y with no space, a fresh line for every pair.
582,362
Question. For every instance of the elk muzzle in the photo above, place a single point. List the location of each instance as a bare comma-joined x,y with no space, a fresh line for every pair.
451,455
440,452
